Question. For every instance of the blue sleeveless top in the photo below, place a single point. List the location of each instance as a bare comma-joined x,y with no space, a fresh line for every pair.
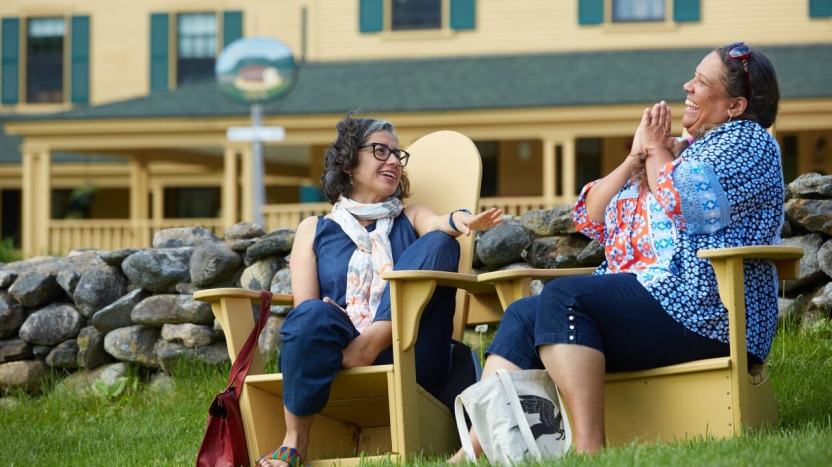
333,249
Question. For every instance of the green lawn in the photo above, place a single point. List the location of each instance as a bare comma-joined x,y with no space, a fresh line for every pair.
146,427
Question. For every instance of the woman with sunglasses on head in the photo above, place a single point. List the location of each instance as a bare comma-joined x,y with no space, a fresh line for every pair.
342,310
653,302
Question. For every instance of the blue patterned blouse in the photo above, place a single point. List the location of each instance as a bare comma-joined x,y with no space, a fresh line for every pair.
726,190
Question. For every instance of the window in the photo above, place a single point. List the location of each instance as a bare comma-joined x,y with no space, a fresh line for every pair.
198,38
196,51
194,202
488,154
592,12
416,14
45,60
408,15
32,65
587,161
624,11
789,155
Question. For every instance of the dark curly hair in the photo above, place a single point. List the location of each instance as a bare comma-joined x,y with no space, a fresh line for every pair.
342,154
764,95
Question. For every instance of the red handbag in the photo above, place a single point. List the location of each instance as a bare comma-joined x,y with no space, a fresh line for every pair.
224,443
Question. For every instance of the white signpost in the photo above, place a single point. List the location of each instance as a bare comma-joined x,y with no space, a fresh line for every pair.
253,133
256,70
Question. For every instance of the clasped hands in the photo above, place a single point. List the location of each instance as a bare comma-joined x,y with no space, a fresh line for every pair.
653,134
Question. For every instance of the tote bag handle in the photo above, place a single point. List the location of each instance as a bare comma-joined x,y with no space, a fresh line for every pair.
519,415
462,428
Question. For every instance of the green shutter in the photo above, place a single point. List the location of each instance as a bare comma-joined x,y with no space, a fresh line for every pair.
590,11
820,8
463,14
80,60
232,27
370,15
159,51
685,11
10,60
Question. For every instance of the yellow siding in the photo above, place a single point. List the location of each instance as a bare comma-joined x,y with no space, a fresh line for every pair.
120,43
538,26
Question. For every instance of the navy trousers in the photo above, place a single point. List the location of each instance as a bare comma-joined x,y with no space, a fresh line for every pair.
315,333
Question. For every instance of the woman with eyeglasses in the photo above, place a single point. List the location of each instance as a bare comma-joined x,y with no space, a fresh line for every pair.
342,310
653,302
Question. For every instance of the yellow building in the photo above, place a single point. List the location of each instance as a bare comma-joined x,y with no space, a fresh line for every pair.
110,112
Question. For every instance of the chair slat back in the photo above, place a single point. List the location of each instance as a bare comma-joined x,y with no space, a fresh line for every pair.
445,170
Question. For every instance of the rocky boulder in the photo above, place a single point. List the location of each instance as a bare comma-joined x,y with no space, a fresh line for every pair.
159,310
27,375
159,270
277,243
33,289
99,286
503,244
134,344
183,237
212,263
52,325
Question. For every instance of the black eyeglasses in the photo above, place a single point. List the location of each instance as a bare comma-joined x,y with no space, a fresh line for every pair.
740,51
382,152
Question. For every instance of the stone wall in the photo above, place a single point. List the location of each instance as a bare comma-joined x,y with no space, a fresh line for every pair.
94,308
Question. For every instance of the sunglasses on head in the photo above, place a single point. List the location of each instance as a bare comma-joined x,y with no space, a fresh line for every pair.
740,51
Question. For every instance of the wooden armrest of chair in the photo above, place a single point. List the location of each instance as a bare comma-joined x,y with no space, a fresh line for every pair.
232,308
211,295
514,284
730,276
414,288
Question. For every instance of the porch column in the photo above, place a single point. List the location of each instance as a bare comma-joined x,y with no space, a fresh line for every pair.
569,167
139,206
229,187
139,186
28,234
43,201
246,183
158,195
549,172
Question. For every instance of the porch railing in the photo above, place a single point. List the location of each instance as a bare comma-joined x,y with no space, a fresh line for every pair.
277,216
113,234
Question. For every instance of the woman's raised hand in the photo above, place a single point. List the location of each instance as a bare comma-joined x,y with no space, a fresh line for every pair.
467,223
638,147
655,129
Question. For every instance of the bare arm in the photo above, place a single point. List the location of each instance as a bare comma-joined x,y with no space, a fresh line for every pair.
303,265
424,220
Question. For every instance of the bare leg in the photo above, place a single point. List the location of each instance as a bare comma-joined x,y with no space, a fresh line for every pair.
578,372
297,436
492,364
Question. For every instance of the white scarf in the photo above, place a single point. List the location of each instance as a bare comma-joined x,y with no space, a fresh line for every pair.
372,256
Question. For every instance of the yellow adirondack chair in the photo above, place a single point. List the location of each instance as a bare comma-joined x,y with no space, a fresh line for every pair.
717,397
376,411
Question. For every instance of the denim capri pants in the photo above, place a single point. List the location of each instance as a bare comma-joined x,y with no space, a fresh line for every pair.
612,313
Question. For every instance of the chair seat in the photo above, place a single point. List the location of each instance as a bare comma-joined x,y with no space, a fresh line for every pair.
359,396
711,364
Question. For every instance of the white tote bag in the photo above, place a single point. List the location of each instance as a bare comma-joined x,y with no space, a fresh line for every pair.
517,415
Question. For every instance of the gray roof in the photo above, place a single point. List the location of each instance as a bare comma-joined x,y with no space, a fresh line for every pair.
470,83
481,82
